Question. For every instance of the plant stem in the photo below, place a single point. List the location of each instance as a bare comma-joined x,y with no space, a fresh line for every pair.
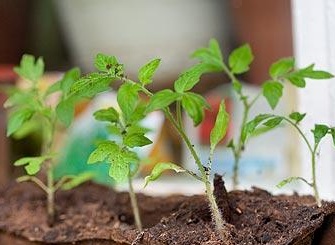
313,154
216,214
134,205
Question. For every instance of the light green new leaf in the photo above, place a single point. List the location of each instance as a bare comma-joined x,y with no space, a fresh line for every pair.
251,126
147,71
91,84
103,151
17,119
319,131
240,59
291,179
65,110
136,140
297,80
211,55
188,79
162,99
120,164
77,180
159,169
33,164
127,98
309,72
194,105
220,127
281,67
65,83
105,62
22,98
29,69
272,91
139,113
297,117
109,115
273,122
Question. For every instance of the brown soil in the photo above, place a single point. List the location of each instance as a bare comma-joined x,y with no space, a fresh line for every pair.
93,214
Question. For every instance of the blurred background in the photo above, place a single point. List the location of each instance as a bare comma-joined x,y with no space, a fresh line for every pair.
70,33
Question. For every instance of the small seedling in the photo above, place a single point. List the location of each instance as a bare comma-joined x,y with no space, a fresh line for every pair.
125,123
283,70
30,105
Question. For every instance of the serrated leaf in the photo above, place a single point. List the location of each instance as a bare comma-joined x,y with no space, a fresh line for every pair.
297,80
159,169
189,78
104,62
210,55
147,71
319,131
77,180
120,164
272,91
220,127
65,83
162,99
91,84
109,115
29,69
297,117
273,122
251,126
136,140
65,110
17,119
240,59
289,180
194,105
127,98
103,151
281,67
139,113
32,164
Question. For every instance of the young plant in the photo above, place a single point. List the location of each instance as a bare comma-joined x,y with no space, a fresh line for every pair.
31,104
238,63
125,123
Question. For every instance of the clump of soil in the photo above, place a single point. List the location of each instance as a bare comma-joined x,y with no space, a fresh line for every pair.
93,214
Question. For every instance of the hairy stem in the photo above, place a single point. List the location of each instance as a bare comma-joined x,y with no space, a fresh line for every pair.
134,205
216,214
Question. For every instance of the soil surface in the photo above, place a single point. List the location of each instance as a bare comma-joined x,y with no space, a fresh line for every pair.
94,214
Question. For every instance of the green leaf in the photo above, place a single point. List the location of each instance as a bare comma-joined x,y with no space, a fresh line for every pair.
120,164
109,115
77,180
297,80
127,98
309,72
147,71
194,105
65,110
281,67
66,82
22,98
251,126
139,113
162,99
159,169
273,122
91,84
189,78
272,91
211,55
29,69
297,117
17,119
103,151
240,59
113,130
33,164
105,63
319,131
136,140
220,127
291,179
